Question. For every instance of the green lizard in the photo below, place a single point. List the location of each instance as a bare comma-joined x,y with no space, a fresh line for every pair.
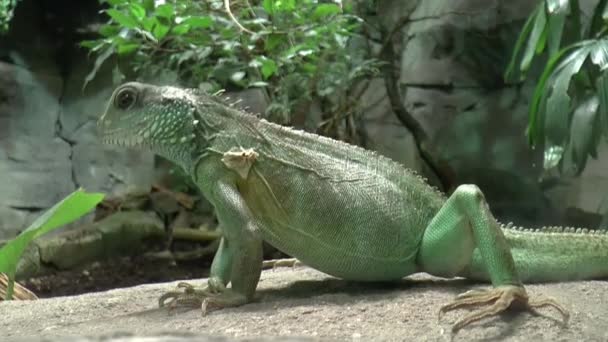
338,208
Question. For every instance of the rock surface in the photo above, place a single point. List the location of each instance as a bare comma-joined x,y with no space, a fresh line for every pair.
304,303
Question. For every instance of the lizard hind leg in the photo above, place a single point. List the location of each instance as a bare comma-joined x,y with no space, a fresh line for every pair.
465,225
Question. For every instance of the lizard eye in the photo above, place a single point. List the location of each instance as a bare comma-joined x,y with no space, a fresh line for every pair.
125,98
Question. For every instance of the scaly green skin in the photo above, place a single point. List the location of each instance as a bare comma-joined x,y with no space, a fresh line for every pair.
336,207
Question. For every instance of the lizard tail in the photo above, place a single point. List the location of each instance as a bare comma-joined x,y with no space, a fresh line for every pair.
552,254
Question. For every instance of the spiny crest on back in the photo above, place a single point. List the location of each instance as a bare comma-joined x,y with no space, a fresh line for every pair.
553,229
339,145
253,123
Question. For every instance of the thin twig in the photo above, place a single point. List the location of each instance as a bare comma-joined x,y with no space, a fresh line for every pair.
227,6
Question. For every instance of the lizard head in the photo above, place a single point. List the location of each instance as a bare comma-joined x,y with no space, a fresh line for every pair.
141,115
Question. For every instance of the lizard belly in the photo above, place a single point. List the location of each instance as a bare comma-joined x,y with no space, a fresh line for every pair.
335,230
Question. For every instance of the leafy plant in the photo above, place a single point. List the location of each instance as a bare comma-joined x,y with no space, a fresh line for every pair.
294,50
568,113
7,8
68,210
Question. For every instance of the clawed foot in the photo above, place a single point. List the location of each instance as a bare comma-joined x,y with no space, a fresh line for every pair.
204,298
502,297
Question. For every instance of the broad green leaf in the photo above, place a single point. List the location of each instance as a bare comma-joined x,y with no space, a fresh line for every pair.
510,73
602,93
160,31
258,84
324,10
148,23
237,76
576,17
122,18
559,102
284,5
198,22
180,29
555,27
269,68
581,130
116,2
268,6
138,11
68,210
558,6
603,210
109,30
552,155
127,48
148,5
539,29
536,111
165,11
600,14
101,58
90,44
274,40
599,54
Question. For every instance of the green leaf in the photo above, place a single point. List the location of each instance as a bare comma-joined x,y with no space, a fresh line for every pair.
536,111
90,44
127,48
268,6
272,41
258,84
98,63
165,11
284,5
603,210
109,30
559,102
180,29
558,6
325,10
68,210
539,29
269,68
576,17
600,13
138,11
555,29
122,18
198,22
115,3
581,130
510,73
160,31
599,54
602,93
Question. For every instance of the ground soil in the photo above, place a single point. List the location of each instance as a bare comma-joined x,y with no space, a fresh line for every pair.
115,273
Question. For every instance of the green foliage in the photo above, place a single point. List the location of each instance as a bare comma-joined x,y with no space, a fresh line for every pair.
293,49
7,8
69,209
568,113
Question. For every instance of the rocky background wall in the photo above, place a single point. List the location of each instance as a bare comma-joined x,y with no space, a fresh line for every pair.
447,60
48,146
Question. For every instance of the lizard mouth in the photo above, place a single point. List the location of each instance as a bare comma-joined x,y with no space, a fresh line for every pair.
121,140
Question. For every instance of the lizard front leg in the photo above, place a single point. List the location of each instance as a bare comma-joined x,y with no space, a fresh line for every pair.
238,259
463,225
